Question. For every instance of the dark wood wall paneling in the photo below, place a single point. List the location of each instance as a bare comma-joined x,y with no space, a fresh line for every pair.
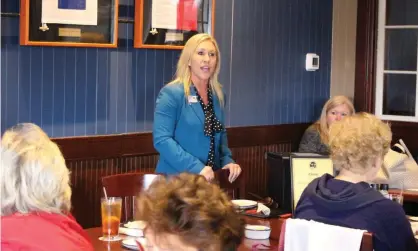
91,158
365,76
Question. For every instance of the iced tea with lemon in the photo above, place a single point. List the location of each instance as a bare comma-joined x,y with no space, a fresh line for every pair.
111,213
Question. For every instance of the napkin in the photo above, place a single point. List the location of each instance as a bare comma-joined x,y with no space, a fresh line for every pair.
315,236
135,224
133,228
131,231
414,226
263,209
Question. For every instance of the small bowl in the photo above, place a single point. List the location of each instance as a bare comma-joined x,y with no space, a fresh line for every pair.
257,232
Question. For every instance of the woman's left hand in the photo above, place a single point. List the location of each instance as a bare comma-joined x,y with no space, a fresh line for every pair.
234,171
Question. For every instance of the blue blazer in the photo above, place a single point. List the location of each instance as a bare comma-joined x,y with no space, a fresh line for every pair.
178,133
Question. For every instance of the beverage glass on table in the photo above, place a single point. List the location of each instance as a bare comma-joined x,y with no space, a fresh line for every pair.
397,198
111,208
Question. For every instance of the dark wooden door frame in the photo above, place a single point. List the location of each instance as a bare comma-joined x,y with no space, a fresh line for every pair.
366,45
365,71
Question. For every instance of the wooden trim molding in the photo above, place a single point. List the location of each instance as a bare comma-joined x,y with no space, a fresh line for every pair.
365,73
106,146
140,144
265,135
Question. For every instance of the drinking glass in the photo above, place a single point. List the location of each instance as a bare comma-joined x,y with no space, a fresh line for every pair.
396,198
111,209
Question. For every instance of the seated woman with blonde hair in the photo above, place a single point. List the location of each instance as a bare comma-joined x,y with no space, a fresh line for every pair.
315,138
188,213
36,195
358,144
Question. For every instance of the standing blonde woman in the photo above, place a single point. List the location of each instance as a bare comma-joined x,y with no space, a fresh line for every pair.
315,138
189,131
35,194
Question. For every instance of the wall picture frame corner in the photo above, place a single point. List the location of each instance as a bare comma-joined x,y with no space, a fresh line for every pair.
169,24
71,23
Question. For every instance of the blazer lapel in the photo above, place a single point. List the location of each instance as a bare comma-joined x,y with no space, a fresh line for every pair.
196,107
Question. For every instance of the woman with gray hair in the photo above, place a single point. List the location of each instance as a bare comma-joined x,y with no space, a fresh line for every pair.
35,194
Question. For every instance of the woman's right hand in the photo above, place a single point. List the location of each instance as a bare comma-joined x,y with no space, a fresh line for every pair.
208,173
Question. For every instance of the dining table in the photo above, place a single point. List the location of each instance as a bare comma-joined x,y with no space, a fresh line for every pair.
247,244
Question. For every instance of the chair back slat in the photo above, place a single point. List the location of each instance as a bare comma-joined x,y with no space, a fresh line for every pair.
367,242
236,189
127,184
128,208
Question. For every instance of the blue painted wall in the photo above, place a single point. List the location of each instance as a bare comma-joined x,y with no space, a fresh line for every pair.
73,92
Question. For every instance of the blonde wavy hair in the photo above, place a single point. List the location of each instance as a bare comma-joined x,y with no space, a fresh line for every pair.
30,132
183,72
356,141
196,211
34,177
322,125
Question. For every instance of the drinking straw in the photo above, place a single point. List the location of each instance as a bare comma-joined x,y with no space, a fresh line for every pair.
105,194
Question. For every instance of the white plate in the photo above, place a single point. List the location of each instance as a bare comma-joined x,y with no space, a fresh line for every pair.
131,244
135,224
244,203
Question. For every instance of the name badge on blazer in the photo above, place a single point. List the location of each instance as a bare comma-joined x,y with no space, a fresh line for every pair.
192,99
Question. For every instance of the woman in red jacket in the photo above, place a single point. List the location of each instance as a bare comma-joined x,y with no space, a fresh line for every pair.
36,195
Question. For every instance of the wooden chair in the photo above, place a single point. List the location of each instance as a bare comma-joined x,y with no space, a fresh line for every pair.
236,189
127,186
366,242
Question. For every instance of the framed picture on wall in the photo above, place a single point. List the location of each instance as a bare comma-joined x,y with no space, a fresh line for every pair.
168,24
69,23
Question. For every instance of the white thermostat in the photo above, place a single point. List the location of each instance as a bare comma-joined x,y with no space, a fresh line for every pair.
312,62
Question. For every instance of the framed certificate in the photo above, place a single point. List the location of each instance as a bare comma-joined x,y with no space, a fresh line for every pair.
69,23
168,24
305,167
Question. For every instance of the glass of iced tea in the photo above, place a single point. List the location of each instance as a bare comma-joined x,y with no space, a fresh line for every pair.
396,198
111,213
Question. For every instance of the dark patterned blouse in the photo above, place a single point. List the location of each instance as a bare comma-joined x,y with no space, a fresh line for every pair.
212,125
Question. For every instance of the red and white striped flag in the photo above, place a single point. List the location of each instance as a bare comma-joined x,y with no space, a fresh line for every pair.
175,14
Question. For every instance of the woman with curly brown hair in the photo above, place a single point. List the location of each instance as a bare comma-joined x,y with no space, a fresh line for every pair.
358,144
186,212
